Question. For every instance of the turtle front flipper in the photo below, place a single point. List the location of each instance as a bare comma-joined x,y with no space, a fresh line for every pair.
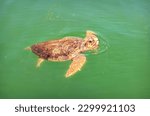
76,65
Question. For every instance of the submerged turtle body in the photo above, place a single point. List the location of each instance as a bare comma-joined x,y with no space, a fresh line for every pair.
68,48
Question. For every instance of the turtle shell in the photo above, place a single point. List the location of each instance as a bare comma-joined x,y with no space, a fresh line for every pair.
58,50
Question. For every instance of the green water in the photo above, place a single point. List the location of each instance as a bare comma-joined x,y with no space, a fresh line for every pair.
121,71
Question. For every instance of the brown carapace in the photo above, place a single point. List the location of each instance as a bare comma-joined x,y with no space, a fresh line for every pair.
67,48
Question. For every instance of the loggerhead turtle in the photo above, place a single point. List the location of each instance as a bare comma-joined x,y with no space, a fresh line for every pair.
67,48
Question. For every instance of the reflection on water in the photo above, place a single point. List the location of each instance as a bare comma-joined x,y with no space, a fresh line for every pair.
120,69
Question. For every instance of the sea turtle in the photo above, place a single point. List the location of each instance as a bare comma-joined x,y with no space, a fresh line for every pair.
67,48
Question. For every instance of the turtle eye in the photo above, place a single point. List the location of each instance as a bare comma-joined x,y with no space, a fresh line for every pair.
90,41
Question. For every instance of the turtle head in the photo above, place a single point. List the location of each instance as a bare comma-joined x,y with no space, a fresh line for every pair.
91,41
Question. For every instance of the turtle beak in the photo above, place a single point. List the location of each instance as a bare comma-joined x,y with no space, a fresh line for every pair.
96,42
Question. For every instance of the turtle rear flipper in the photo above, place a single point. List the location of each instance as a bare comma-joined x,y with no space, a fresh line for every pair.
28,48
